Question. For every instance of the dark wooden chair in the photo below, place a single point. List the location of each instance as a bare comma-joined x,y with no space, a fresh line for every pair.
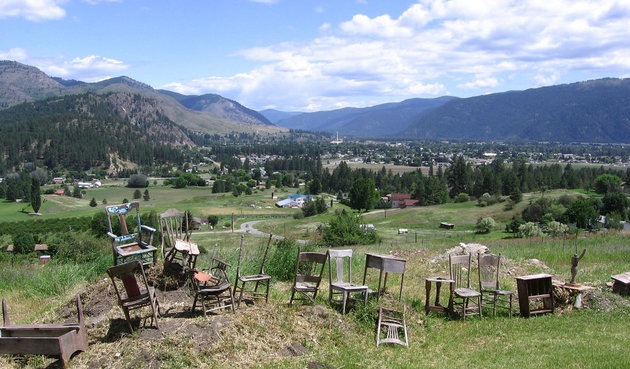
129,245
131,294
259,279
492,296
342,284
309,268
213,290
176,244
468,298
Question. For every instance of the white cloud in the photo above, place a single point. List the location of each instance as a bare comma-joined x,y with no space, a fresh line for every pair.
95,2
32,10
89,69
15,54
433,48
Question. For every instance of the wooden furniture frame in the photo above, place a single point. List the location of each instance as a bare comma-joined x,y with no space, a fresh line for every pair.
307,278
61,340
385,264
176,244
213,290
394,325
438,286
341,283
492,296
129,292
464,295
535,287
130,246
260,278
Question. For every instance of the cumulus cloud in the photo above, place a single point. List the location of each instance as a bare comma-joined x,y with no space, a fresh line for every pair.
433,48
32,10
89,69
95,2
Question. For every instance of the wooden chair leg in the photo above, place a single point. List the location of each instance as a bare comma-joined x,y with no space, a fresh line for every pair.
345,298
240,298
267,292
126,311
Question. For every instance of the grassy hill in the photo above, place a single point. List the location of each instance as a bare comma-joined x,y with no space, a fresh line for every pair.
259,335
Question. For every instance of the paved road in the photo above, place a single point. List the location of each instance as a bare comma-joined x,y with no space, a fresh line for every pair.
248,227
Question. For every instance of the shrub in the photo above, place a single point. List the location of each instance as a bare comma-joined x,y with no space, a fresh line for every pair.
23,243
462,197
529,230
93,202
137,181
345,229
557,229
281,263
77,248
486,200
613,221
98,224
298,215
137,194
485,225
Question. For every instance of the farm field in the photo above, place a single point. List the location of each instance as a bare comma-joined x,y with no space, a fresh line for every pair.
257,335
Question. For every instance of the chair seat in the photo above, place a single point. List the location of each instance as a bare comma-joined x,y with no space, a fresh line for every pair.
186,246
348,286
466,292
254,277
498,292
215,289
303,286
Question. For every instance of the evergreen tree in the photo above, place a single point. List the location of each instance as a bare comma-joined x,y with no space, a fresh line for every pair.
76,192
137,194
93,202
36,196
363,194
146,196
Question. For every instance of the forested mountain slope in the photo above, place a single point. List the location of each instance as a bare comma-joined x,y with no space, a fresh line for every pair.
80,132
592,111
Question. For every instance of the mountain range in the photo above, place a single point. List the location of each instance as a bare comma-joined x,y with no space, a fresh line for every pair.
591,111
210,114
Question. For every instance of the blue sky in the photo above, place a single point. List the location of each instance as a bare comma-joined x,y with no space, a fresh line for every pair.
311,55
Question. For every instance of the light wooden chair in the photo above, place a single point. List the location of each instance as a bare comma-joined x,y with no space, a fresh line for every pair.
131,294
393,325
309,268
492,296
259,279
468,298
176,244
341,283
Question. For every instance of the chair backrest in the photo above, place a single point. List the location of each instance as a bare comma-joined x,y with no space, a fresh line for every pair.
120,213
459,266
124,277
174,225
264,259
488,266
338,258
307,265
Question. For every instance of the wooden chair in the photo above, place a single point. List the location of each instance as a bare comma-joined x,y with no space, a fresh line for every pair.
307,277
394,325
492,296
463,294
213,290
130,246
342,284
132,295
176,244
260,278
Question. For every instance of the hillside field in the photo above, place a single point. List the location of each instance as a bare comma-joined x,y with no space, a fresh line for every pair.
258,335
